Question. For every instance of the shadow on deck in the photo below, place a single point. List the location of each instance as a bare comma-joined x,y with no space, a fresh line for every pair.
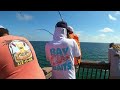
87,70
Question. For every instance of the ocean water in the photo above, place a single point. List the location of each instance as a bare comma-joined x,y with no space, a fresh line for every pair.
90,51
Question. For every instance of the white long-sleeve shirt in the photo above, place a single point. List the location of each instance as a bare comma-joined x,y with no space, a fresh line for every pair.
61,52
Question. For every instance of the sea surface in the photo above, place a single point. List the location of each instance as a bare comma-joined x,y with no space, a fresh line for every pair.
90,51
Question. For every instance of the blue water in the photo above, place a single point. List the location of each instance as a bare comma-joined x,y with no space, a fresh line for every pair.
90,51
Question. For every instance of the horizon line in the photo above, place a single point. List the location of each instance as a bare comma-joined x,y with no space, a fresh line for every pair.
80,42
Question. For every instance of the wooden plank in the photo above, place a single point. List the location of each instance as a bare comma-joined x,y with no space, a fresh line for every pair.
48,72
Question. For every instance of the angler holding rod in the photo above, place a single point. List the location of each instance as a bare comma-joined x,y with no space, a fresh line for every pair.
61,52
72,35
61,25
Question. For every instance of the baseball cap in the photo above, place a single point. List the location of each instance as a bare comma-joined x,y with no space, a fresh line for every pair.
62,24
70,28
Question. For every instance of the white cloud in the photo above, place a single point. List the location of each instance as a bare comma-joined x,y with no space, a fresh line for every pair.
98,38
102,35
106,30
112,18
112,38
117,12
101,38
24,17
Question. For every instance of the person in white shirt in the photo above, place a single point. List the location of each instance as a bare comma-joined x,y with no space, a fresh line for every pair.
114,60
61,52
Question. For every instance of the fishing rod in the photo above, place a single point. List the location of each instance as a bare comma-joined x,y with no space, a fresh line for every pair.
60,15
20,12
22,15
49,31
45,30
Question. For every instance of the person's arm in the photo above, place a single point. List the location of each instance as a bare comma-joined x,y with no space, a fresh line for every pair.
77,52
117,54
79,46
78,42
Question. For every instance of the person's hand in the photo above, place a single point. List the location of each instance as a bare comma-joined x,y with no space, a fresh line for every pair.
117,55
79,62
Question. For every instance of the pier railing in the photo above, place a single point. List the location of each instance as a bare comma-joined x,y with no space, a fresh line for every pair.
93,70
87,70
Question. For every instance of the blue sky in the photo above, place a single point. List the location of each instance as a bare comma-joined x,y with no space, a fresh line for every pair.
91,26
